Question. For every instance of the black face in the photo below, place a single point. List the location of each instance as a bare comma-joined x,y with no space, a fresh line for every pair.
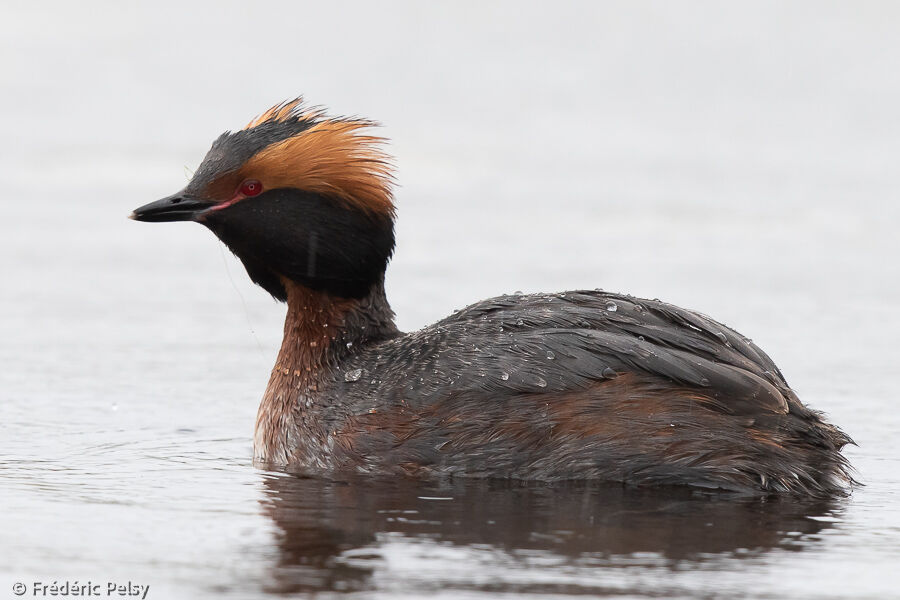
306,238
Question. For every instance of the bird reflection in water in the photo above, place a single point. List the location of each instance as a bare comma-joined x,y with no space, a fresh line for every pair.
364,534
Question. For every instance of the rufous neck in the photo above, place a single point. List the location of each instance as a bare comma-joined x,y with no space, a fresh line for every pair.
320,330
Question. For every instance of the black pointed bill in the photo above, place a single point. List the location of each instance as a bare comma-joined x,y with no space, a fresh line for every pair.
177,207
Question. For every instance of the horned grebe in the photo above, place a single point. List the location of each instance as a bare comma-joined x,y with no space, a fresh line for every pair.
575,385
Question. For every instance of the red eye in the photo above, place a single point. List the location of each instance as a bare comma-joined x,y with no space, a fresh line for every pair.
251,187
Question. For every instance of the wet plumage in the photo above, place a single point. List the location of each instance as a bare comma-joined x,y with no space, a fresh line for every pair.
576,385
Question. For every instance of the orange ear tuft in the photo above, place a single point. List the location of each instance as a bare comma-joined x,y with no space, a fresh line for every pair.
289,109
332,157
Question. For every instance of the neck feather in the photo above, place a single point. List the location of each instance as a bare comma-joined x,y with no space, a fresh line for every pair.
320,331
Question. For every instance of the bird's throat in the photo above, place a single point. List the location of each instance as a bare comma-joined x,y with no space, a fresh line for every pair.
320,331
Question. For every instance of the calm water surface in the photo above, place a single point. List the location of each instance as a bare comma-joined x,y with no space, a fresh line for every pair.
738,160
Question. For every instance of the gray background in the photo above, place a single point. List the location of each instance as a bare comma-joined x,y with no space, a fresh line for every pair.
735,158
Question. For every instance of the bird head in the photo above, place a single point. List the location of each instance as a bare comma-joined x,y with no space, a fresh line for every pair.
298,196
